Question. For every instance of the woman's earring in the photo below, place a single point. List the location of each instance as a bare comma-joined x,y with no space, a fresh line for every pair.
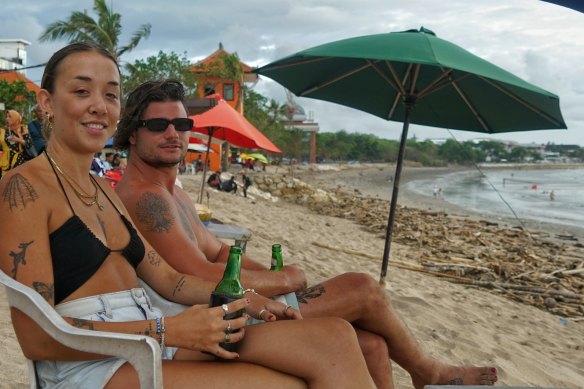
49,121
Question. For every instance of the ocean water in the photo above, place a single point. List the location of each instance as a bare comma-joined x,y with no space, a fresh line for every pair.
522,193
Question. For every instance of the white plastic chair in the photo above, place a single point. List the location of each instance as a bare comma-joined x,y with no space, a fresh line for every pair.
142,352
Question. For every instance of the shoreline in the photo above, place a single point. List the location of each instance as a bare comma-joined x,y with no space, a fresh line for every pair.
352,179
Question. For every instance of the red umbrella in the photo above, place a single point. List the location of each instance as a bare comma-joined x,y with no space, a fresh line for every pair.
225,123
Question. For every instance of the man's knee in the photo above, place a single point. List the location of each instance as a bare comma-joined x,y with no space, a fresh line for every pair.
372,345
365,287
361,281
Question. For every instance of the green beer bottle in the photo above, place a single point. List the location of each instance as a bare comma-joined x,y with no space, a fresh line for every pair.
277,261
229,289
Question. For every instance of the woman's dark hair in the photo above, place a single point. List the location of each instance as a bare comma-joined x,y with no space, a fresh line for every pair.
137,102
52,67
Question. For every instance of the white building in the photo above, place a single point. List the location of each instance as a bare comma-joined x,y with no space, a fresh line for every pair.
13,54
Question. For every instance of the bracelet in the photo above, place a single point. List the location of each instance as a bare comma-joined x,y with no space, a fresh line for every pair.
249,290
160,330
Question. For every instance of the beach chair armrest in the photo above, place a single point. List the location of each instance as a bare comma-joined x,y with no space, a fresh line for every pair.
142,352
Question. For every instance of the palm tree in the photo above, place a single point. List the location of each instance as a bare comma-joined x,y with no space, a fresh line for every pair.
80,27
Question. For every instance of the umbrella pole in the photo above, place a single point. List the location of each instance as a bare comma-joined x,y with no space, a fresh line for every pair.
211,130
410,101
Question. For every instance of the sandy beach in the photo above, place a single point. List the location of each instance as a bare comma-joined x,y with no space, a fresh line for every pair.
456,323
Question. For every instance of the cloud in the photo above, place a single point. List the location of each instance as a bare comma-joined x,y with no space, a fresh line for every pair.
535,40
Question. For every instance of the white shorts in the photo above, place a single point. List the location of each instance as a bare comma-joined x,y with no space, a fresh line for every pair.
123,306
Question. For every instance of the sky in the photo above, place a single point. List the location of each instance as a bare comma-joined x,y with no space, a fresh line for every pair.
537,41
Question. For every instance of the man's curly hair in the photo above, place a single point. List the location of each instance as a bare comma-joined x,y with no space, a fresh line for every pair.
138,100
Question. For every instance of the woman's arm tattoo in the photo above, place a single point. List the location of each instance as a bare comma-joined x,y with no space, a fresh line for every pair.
45,290
179,285
19,258
18,192
82,323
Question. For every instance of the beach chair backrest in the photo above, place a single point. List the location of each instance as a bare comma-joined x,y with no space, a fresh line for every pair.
142,352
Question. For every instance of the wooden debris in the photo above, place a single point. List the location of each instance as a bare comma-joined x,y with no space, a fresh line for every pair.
524,266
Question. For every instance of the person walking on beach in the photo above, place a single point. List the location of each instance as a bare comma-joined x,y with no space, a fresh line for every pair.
148,191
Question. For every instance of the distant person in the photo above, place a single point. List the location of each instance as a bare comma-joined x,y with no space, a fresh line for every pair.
198,165
35,128
229,185
116,161
109,159
97,165
435,191
246,182
552,196
14,139
214,180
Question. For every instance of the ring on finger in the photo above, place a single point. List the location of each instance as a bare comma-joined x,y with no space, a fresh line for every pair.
287,306
227,338
262,312
228,330
225,308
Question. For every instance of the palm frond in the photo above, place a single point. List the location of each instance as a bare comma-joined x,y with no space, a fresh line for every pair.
143,32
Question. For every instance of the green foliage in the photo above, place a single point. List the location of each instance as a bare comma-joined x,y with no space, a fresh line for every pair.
161,66
225,67
15,96
80,27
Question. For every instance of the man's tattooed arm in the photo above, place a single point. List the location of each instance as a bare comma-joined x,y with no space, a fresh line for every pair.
154,212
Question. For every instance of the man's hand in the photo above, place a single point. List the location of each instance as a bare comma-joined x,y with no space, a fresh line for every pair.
295,277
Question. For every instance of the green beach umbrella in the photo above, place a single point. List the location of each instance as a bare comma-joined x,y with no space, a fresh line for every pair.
414,76
260,157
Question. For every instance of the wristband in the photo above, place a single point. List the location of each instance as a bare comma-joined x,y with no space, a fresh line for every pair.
160,330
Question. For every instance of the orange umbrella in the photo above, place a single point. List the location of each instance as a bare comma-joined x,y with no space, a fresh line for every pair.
225,123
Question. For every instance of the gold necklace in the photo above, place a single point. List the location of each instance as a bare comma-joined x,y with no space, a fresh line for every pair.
81,194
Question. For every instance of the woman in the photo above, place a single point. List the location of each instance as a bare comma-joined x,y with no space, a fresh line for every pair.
14,139
66,235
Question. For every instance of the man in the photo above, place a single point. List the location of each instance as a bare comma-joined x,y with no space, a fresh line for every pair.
35,128
167,217
108,162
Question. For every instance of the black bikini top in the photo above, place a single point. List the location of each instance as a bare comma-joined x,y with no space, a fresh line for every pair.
77,253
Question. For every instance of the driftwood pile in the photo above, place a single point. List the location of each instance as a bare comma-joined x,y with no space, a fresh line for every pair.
534,268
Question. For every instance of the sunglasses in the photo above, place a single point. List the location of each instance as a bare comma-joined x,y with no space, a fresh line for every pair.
160,124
